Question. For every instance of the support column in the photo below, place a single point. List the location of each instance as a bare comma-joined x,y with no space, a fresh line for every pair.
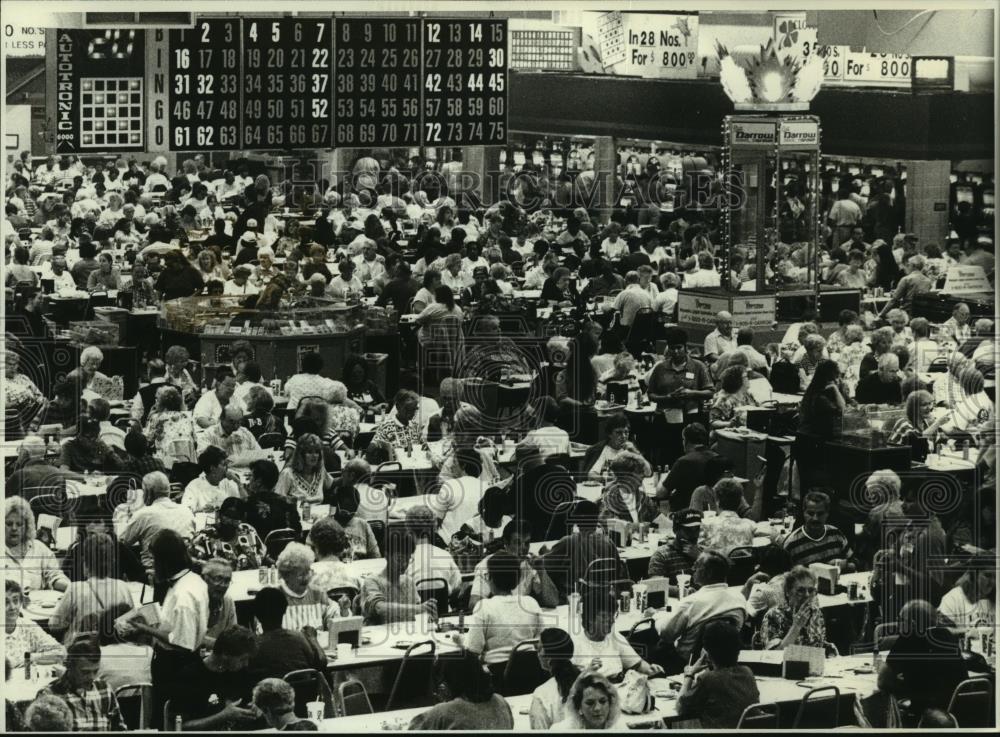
605,170
927,191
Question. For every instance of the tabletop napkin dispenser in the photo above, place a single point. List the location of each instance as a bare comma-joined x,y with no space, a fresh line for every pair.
826,577
801,661
620,533
345,630
617,392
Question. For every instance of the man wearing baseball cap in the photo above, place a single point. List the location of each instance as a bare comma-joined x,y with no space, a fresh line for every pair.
678,555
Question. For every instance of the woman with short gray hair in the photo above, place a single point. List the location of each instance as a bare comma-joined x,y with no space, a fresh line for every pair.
799,621
306,606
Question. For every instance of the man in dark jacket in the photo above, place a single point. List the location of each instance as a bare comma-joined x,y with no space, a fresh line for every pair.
537,492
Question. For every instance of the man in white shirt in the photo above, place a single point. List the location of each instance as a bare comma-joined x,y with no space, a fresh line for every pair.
236,441
956,327
208,409
161,514
712,599
720,340
506,618
215,484
457,501
429,561
369,265
56,271
632,299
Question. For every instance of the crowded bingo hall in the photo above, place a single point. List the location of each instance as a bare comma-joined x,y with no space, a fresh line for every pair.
542,366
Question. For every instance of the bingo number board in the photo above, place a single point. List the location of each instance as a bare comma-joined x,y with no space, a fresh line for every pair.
307,83
99,90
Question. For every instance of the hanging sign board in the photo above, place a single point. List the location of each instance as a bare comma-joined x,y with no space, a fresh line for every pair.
661,46
966,280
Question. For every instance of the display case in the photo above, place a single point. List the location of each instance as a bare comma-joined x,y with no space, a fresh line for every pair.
208,326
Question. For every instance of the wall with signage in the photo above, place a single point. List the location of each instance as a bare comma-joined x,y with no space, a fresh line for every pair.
653,46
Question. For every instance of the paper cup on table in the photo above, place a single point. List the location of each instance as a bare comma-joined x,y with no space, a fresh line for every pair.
683,582
316,710
344,650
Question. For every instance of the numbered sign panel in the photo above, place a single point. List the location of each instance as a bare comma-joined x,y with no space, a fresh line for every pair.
465,82
205,84
377,95
287,82
298,83
100,90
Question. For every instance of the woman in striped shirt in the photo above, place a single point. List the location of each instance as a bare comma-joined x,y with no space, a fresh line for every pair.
306,606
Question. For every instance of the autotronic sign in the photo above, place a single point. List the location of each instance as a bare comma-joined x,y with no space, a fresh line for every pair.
799,133
743,133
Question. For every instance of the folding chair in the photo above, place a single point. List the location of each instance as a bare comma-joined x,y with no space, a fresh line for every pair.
819,712
183,472
352,698
276,541
412,686
171,721
126,696
741,565
759,716
438,592
954,722
54,504
643,637
271,440
523,673
310,685
385,468
971,703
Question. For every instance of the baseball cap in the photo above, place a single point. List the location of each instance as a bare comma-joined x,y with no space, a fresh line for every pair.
686,518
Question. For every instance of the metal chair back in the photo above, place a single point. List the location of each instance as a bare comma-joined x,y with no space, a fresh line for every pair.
972,704
412,686
310,685
819,709
759,716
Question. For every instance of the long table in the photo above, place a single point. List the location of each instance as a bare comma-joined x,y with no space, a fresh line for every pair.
851,674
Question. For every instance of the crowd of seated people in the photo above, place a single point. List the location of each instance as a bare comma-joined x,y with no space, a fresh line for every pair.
209,479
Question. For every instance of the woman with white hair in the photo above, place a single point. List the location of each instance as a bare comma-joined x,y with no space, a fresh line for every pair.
89,378
851,353
500,274
26,560
343,419
265,270
666,300
799,621
306,605
815,347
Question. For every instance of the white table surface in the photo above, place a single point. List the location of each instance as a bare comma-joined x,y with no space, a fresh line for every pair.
838,671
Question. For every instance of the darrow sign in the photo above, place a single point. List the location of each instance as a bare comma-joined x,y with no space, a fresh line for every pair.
799,133
753,134
748,311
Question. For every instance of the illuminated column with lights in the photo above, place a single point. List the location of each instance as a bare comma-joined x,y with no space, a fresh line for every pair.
771,166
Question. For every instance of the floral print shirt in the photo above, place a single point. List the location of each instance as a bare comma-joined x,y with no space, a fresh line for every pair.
778,621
